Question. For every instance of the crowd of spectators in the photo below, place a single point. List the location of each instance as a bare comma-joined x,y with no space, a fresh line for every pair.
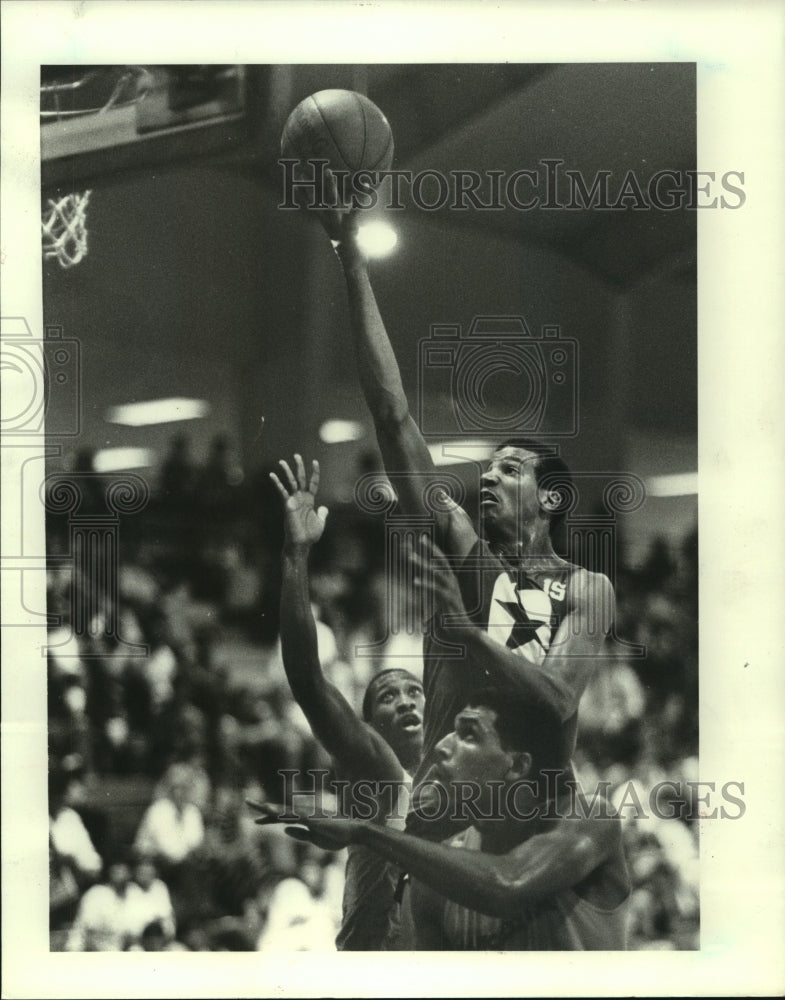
162,726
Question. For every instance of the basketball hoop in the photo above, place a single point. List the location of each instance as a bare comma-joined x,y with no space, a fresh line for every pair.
64,230
70,97
72,91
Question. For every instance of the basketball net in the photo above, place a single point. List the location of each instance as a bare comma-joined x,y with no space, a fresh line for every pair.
70,93
63,228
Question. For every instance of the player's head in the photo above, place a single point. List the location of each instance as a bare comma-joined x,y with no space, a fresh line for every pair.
501,737
525,482
393,704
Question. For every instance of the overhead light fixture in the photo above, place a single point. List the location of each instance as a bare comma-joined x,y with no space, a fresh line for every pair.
377,239
339,431
461,452
679,484
157,411
120,459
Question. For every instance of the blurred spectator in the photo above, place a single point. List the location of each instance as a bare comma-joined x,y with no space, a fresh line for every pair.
68,836
67,682
155,904
295,921
160,665
611,710
664,903
192,776
229,867
219,478
107,919
64,896
178,472
172,826
258,737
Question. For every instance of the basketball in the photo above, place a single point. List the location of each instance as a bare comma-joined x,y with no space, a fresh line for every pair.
340,126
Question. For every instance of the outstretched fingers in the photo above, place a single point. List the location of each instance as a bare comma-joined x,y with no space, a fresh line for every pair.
313,486
271,813
289,475
280,486
301,833
299,465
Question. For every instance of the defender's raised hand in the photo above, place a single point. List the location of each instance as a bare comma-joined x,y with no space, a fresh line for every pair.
303,522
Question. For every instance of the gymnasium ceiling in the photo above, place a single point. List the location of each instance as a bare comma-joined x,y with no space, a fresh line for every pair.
611,117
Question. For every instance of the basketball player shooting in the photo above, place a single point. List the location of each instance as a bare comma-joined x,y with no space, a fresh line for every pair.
540,622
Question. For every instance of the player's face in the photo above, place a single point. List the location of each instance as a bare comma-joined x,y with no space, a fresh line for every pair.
508,492
397,710
473,751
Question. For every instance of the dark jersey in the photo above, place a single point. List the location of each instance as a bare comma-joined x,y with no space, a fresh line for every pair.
565,922
520,610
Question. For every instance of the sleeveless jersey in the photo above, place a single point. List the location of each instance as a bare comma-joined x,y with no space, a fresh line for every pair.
370,918
567,922
520,610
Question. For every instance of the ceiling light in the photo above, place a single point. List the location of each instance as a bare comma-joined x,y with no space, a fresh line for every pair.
461,452
116,459
376,239
338,431
157,411
680,484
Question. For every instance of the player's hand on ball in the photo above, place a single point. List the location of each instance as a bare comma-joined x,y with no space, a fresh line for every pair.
340,221
343,132
303,522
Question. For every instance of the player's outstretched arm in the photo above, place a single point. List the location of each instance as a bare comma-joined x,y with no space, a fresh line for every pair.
403,447
499,885
358,750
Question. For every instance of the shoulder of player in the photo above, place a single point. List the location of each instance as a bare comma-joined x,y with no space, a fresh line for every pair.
598,825
585,587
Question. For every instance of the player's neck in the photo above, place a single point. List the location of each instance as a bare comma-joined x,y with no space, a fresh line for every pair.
532,546
409,759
